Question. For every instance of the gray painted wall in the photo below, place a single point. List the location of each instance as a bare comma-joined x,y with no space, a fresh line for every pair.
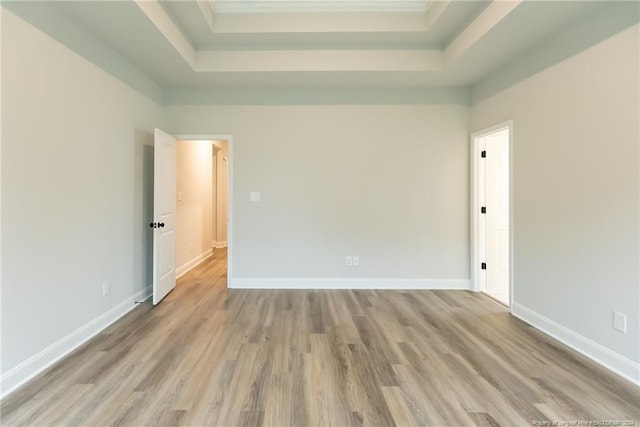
386,183
576,190
76,169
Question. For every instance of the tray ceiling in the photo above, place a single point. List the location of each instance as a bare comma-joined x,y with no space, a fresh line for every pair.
333,43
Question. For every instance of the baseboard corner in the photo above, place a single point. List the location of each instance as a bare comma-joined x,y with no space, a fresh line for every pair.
38,363
193,263
347,283
605,357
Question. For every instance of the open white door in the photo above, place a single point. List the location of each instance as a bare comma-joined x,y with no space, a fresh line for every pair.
497,215
164,214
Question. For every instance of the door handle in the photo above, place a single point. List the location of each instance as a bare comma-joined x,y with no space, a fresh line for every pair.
161,225
156,225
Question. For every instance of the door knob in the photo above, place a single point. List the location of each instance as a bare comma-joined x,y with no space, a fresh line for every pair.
161,225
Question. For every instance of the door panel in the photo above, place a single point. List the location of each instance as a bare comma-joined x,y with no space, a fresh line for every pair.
164,214
497,217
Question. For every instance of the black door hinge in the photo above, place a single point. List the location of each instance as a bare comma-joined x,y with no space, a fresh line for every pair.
483,266
483,154
483,210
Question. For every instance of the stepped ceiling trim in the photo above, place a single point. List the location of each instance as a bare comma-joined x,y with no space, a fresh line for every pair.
287,6
186,49
321,60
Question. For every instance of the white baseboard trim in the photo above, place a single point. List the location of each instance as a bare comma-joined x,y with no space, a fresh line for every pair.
187,266
14,378
313,283
220,245
146,294
611,360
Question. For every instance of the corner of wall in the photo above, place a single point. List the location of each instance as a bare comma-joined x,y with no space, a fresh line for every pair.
611,360
38,363
602,23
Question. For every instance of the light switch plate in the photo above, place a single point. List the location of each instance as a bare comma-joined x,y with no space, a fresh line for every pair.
254,196
179,196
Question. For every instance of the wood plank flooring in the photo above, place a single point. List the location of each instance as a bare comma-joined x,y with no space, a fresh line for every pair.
211,356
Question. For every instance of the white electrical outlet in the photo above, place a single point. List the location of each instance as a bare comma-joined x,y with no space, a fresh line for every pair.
348,261
105,288
620,322
356,261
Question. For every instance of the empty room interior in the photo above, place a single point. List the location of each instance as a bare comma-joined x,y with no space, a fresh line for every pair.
279,212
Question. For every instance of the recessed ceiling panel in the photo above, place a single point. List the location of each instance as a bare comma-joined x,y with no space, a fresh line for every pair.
284,6
396,29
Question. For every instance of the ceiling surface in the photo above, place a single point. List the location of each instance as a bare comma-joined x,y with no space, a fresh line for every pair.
330,43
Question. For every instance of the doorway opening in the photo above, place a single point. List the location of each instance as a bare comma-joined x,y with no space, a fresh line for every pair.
492,244
202,202
192,206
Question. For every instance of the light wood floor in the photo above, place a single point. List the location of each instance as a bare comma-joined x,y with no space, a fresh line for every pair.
211,356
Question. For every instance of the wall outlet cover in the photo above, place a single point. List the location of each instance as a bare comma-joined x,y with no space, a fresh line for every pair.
620,322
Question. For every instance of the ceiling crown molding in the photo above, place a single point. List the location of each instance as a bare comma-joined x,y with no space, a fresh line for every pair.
266,6
176,45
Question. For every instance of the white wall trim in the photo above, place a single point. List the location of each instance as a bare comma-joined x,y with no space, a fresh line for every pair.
238,6
14,378
312,96
611,360
220,245
347,283
192,263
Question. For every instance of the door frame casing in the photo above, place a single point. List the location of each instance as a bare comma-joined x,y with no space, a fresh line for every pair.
229,139
476,241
